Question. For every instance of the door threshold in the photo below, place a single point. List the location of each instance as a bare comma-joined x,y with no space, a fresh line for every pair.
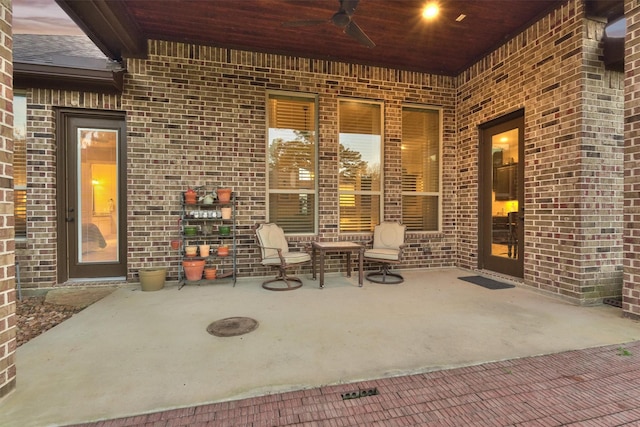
513,280
94,280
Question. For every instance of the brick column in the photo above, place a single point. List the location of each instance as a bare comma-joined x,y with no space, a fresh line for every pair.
631,239
7,270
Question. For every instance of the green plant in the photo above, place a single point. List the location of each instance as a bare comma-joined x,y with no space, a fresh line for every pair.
623,352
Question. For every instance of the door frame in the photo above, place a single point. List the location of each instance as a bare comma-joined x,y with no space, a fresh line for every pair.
504,265
64,116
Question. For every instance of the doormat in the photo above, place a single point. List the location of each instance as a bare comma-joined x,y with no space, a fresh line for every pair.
232,326
486,282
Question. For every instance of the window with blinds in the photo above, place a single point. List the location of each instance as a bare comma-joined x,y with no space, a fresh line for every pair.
421,198
360,165
20,165
292,161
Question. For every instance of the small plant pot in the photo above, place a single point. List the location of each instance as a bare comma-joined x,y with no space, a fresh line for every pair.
204,250
224,195
175,244
152,279
226,213
193,269
190,197
223,251
190,251
210,273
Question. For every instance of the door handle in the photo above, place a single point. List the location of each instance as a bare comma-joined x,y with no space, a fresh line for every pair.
69,219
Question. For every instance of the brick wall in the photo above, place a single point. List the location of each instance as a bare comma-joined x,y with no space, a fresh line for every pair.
631,289
38,253
7,270
573,153
197,117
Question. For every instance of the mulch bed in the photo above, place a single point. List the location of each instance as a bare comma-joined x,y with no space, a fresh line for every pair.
35,316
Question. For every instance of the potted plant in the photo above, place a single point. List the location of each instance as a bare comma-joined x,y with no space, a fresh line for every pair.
193,269
152,279
223,250
224,194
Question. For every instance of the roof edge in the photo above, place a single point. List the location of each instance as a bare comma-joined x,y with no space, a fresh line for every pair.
108,25
27,75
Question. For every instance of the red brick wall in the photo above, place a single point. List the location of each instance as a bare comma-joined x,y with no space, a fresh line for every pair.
631,289
7,270
573,153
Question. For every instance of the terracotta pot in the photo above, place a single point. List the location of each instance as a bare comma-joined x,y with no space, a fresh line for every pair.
210,273
175,244
223,251
193,269
224,195
190,197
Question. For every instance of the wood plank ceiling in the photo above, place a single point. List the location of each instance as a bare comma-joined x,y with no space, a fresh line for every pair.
403,40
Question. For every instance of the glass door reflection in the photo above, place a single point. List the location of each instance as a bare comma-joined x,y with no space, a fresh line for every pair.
97,196
504,204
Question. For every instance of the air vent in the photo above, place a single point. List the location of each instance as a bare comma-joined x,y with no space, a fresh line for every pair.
360,393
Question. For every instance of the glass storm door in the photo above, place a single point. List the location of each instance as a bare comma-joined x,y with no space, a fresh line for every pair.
501,237
94,209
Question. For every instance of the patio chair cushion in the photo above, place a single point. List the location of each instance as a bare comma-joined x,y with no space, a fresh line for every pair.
388,235
290,258
382,254
270,237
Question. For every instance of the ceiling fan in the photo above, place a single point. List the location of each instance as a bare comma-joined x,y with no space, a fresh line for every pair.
341,19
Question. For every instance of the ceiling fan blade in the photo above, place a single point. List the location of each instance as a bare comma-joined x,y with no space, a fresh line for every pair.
352,29
341,19
305,23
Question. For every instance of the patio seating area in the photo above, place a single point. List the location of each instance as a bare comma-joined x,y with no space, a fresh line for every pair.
139,352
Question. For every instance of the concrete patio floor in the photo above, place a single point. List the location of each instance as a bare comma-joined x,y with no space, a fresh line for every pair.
138,352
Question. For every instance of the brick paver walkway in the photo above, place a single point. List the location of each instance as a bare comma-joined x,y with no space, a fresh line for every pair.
592,388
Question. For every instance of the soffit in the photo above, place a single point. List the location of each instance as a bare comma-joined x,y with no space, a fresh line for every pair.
403,40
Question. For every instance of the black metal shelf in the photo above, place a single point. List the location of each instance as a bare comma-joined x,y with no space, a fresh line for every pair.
213,238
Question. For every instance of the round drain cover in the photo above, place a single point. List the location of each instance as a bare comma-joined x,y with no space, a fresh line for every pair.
232,326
